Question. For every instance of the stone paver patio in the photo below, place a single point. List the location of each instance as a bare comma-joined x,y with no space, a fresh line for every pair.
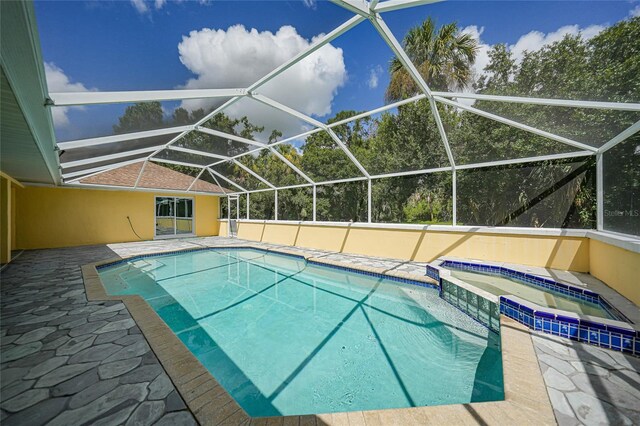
68,361
588,385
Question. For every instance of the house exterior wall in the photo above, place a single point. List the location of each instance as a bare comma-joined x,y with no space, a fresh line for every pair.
48,217
61,217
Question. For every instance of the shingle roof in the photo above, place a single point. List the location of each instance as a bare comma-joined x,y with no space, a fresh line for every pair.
154,176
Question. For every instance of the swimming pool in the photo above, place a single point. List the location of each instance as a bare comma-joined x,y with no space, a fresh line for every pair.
285,336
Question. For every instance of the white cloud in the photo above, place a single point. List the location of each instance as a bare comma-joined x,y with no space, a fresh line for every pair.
374,76
144,6
530,42
482,57
310,3
140,5
58,81
536,40
238,57
635,12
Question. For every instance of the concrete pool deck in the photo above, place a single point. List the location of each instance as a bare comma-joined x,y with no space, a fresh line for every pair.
42,290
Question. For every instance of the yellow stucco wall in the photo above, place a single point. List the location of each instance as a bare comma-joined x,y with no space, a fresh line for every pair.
570,253
223,230
13,219
5,220
62,217
617,267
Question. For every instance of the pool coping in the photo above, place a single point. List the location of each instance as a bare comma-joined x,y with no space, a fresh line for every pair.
526,400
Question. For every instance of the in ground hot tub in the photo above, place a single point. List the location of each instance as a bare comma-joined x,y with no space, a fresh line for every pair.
538,302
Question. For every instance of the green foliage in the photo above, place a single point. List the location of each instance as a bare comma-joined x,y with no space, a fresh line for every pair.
443,57
559,193
622,187
423,206
140,117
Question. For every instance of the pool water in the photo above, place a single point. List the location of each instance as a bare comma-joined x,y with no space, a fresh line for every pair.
501,286
288,338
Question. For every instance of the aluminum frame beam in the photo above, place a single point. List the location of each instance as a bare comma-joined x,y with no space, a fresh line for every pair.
391,5
386,34
83,143
524,160
567,155
260,145
177,163
254,174
402,56
327,38
196,179
144,166
624,135
290,164
96,98
542,101
102,168
359,7
196,152
213,174
377,110
599,192
224,135
216,180
107,157
253,151
277,105
517,125
129,188
348,153
362,10
281,107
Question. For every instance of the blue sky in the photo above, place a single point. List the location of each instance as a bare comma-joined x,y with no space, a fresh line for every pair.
118,46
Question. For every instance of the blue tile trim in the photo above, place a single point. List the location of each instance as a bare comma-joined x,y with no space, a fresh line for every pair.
144,256
606,336
173,252
433,273
375,274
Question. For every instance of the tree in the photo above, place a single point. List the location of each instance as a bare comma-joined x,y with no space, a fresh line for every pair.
558,193
139,117
323,160
443,57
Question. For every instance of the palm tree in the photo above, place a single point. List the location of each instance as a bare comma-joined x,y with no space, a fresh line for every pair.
443,58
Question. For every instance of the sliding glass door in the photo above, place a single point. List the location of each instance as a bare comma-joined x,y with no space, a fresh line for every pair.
174,216
184,216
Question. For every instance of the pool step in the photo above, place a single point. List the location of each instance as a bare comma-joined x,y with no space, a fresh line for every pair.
479,307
